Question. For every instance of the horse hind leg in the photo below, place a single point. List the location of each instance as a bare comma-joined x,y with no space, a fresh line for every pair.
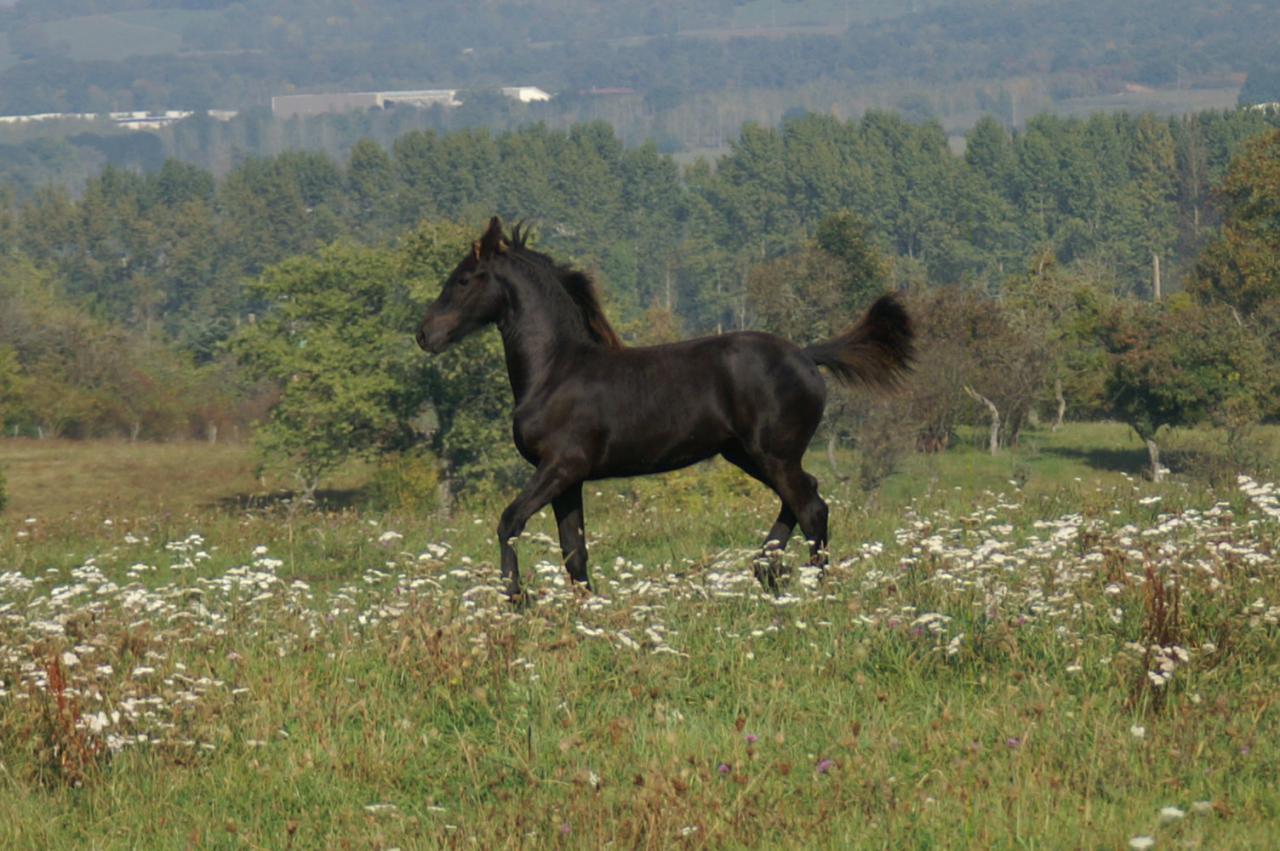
768,566
780,534
800,491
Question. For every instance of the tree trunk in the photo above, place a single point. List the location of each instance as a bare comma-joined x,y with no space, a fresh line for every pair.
1062,403
1153,451
831,453
211,432
1155,275
135,429
995,417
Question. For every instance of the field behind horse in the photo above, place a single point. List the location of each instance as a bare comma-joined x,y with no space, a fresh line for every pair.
1033,650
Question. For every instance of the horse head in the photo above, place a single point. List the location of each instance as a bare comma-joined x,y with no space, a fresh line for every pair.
472,296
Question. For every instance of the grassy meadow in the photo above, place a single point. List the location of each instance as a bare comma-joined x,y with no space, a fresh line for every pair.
1035,650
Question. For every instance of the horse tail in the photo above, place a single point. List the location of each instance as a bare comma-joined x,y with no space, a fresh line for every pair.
877,351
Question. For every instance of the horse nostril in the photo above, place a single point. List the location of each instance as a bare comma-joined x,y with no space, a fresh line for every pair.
422,339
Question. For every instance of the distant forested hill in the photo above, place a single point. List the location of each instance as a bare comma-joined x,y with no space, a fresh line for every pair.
90,55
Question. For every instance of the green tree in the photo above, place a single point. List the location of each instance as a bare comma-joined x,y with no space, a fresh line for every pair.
1179,365
371,189
10,384
1059,307
335,341
1241,266
846,237
466,388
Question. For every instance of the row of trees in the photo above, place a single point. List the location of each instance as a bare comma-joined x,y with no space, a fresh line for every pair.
65,373
172,248
174,304
1054,340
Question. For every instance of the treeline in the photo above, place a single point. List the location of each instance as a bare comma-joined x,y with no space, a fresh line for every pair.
1055,340
238,54
172,248
123,300
65,373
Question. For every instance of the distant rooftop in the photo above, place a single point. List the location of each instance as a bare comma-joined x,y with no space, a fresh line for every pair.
136,120
323,103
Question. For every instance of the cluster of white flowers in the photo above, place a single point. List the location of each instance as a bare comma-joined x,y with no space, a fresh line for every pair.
1264,496
995,566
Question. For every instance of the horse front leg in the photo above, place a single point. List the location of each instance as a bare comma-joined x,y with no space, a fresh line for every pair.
548,482
573,540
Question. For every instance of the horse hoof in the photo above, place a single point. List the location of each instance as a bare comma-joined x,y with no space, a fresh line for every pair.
768,571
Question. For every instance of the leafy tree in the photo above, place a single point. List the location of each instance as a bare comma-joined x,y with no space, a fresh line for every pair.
847,237
335,341
1059,307
466,388
1241,267
371,188
10,382
1179,365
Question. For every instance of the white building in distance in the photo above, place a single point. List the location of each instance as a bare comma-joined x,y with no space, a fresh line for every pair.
324,103
136,120
526,94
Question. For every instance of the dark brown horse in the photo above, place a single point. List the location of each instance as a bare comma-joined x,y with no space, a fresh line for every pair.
588,407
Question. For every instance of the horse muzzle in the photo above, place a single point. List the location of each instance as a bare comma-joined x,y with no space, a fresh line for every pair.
435,334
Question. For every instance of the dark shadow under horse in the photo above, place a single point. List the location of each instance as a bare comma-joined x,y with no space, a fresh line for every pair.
588,407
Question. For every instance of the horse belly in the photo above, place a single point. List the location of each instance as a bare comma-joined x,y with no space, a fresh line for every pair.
656,441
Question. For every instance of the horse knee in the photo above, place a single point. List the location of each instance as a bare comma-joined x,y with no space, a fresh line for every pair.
509,526
821,511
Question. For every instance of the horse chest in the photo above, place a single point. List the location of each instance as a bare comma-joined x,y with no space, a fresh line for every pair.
533,433
553,428
523,442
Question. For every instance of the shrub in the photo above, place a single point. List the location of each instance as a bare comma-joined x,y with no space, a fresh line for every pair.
882,442
409,481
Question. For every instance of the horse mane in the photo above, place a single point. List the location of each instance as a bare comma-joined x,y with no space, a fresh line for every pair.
577,285
582,290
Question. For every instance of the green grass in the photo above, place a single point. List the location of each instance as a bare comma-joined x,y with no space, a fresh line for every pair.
370,690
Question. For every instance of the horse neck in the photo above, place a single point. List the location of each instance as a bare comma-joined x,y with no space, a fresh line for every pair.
540,323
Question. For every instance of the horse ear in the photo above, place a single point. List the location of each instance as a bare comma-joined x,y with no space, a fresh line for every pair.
493,242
